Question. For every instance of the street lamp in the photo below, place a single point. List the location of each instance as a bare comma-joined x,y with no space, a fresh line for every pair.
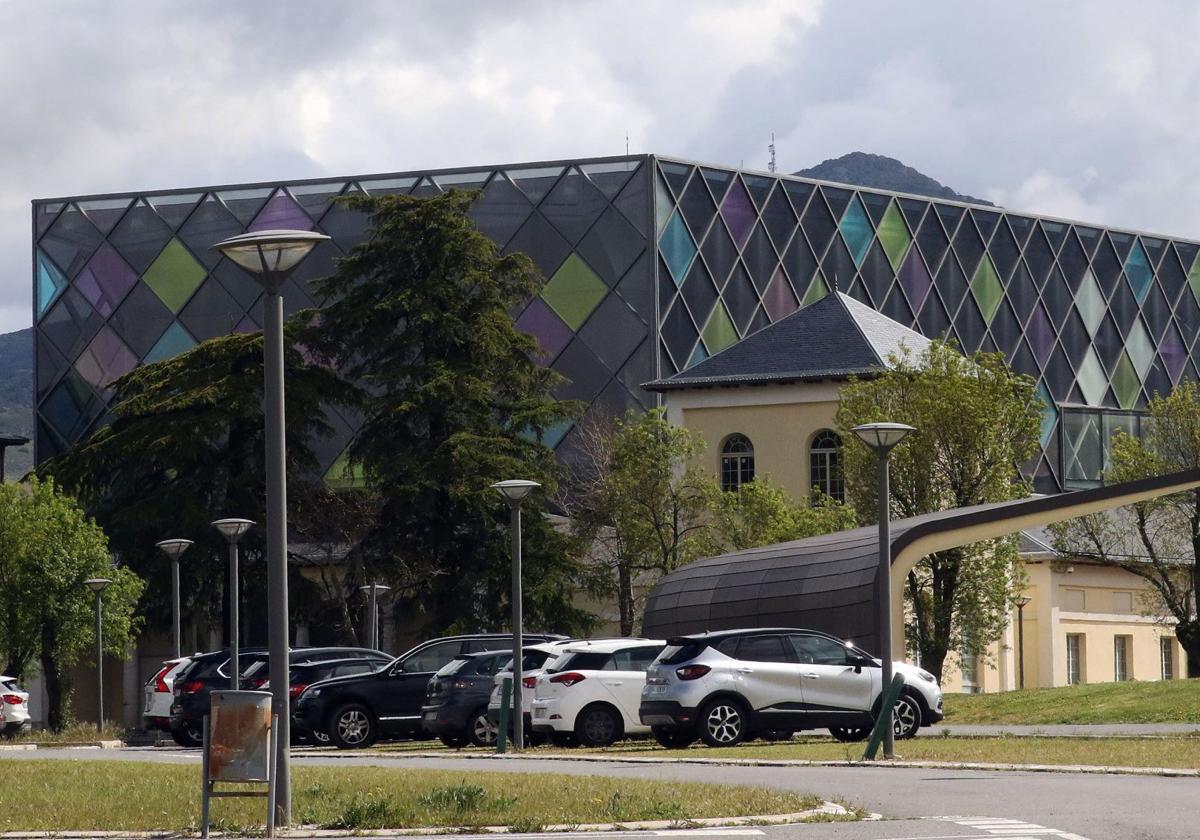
97,585
373,589
515,490
232,530
5,442
270,255
882,438
1021,601
174,549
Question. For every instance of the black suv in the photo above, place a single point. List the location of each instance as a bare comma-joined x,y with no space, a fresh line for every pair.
356,711
456,701
209,672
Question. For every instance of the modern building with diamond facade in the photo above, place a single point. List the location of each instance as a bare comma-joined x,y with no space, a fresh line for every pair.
652,264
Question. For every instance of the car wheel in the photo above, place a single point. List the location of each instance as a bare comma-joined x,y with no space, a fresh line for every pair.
723,723
352,726
778,735
481,732
188,734
850,734
564,739
673,739
454,742
906,717
598,726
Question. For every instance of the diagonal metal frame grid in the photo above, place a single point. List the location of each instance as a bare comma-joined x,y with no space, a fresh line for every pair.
1100,318
158,290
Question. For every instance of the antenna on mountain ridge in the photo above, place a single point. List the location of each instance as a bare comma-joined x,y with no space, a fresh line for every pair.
771,153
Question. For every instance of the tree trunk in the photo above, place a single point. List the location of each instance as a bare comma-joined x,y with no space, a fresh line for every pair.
625,598
57,688
1188,634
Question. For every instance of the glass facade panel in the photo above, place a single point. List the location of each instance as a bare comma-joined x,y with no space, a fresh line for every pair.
677,247
174,275
856,230
574,291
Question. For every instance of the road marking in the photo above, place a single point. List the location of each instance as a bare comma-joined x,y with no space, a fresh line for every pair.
1009,828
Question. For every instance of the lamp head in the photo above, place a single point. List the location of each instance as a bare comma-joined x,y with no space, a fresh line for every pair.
378,587
97,584
270,252
173,548
1021,601
13,440
232,529
515,489
881,437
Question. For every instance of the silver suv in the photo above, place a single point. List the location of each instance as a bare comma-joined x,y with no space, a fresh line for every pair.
727,686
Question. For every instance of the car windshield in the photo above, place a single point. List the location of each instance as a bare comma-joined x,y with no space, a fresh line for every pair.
452,666
585,660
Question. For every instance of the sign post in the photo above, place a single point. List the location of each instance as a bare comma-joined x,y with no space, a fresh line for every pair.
238,737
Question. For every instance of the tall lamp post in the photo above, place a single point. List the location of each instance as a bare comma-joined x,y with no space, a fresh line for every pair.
1021,601
5,442
270,255
97,585
515,490
174,549
882,438
232,530
373,589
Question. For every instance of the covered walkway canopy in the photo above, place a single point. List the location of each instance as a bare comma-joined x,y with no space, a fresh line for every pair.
828,582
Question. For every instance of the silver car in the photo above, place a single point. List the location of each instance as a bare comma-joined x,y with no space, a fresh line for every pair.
727,686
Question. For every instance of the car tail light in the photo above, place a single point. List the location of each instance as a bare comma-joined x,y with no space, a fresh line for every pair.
460,685
160,685
258,682
529,682
692,672
296,690
13,699
568,679
192,686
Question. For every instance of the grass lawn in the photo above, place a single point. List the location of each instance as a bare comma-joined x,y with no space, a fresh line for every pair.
1170,701
133,796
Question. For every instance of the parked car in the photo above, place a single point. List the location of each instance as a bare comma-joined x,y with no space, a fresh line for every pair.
591,692
14,707
208,672
456,699
303,674
356,711
158,696
727,686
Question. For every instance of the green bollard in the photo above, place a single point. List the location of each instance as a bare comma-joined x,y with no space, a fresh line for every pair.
505,700
885,717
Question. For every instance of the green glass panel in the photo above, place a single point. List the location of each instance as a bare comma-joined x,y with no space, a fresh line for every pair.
720,331
174,341
817,289
1194,278
986,286
1138,270
856,230
1140,349
1090,302
50,282
174,275
1049,413
698,355
663,205
894,236
574,291
1091,378
342,476
1125,382
677,247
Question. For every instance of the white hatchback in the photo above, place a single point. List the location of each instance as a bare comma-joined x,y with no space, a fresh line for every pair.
591,693
157,694
14,707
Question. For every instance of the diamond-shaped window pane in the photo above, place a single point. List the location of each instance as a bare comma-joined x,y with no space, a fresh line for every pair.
1049,413
1137,269
894,236
174,341
174,275
914,278
816,290
281,213
1090,301
574,291
677,247
987,288
105,359
738,212
50,282
856,230
105,280
1140,349
1125,383
1092,381
719,333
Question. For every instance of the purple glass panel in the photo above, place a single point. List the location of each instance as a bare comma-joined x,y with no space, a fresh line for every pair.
780,300
105,280
540,321
281,213
738,213
105,359
915,280
246,325
1174,354
1040,333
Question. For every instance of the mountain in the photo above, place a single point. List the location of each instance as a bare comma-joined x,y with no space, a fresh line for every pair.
866,170
16,397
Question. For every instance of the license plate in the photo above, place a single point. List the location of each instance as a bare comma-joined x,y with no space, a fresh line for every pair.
430,715
539,713
658,689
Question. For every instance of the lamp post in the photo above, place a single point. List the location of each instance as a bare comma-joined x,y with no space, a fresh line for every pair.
5,442
232,530
1021,601
882,438
515,490
270,255
97,585
174,549
373,589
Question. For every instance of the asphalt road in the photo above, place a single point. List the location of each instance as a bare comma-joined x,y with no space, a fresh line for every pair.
915,803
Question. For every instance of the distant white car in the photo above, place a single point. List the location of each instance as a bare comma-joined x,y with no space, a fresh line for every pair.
536,658
591,693
158,694
14,707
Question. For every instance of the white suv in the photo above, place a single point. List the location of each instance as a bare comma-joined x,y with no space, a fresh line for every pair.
727,686
533,662
157,694
591,692
14,707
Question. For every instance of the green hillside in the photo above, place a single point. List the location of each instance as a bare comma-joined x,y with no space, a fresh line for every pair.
16,397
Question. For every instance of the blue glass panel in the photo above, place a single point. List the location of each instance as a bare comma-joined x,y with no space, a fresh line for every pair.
50,282
699,355
173,342
1137,269
677,247
856,230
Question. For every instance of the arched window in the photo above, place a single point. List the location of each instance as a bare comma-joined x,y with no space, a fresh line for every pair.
825,465
737,462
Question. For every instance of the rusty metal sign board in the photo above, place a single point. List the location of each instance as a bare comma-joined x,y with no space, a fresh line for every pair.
239,745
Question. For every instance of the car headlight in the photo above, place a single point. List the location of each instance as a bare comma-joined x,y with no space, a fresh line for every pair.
925,675
309,693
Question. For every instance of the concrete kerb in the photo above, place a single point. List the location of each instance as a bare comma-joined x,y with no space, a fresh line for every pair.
69,745
764,762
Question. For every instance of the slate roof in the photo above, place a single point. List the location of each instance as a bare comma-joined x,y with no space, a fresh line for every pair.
833,338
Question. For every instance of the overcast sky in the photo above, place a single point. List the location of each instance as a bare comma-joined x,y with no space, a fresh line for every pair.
1087,110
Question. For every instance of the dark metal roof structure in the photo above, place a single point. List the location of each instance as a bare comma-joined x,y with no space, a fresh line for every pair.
828,583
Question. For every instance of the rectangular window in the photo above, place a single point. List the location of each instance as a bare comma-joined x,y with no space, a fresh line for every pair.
1085,443
1123,602
1073,600
1166,656
969,665
1074,649
1121,645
